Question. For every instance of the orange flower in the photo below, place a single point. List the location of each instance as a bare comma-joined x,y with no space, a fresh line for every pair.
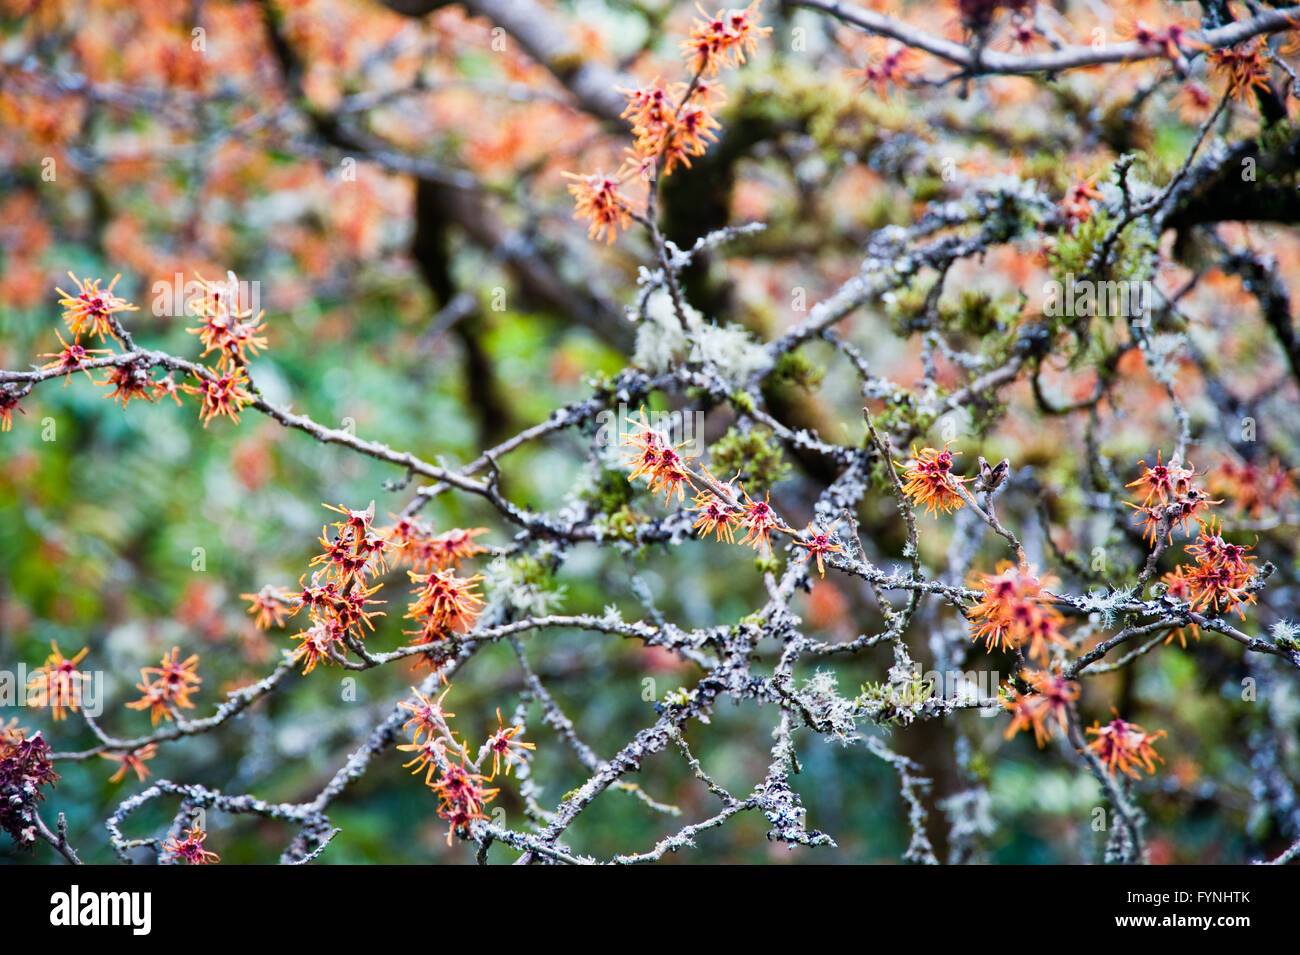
598,200
500,744
451,547
444,601
930,481
1245,67
1179,586
759,520
1221,574
133,760
174,681
717,516
1169,498
668,123
318,643
57,683
72,358
1051,696
1164,482
221,394
1077,204
722,40
1195,102
1255,488
222,327
427,755
652,457
92,308
415,544
1013,612
355,549
129,381
8,405
819,545
190,849
428,715
687,134
270,607
1125,746
650,108
462,797
891,70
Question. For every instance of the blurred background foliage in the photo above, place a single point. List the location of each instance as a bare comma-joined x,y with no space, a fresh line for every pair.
102,526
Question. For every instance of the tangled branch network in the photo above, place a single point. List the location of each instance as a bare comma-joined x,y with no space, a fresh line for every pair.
1065,572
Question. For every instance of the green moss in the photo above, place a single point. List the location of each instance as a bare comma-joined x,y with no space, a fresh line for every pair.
975,313
610,492
755,455
743,401
906,310
1129,258
796,368
927,188
621,523
901,415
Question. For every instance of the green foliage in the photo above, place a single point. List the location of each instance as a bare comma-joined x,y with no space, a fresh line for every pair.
752,453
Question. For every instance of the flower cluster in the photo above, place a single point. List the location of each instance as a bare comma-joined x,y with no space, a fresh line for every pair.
1254,487
1050,698
1125,747
353,550
339,598
597,199
652,457
460,787
1219,579
1245,67
416,545
1014,613
722,40
671,122
173,680
225,393
891,69
25,768
57,682
223,328
1169,498
929,481
93,311
190,848
716,516
234,335
443,603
